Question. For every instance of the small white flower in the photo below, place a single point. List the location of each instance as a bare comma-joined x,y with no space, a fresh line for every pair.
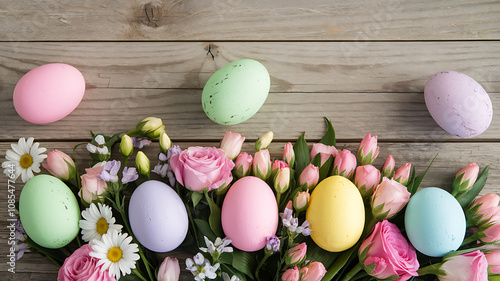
115,253
201,268
101,147
225,277
24,159
97,222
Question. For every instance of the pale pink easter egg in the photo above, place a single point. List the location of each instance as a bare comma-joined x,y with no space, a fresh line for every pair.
48,93
249,214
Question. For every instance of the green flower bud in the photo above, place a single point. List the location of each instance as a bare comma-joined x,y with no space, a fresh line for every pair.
142,163
126,146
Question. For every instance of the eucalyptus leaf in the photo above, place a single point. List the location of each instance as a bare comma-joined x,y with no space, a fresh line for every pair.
302,157
467,197
329,137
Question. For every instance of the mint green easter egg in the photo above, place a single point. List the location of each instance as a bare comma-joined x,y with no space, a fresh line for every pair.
235,92
49,211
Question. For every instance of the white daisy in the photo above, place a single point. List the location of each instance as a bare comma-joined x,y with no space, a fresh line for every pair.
97,222
115,253
24,159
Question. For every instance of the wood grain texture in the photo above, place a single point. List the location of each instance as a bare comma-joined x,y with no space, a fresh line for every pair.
139,20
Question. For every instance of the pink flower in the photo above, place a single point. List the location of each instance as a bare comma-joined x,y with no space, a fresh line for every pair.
278,164
309,177
291,274
388,167
314,272
261,165
344,164
197,168
325,152
231,144
243,165
492,233
169,270
296,254
80,266
301,200
60,165
366,179
289,154
92,186
403,174
493,258
388,250
465,178
485,209
388,199
368,150
472,266
282,180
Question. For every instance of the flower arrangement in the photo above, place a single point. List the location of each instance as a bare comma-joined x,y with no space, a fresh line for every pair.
247,217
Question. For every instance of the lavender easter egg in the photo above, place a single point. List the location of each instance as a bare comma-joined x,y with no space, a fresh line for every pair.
158,217
249,214
458,104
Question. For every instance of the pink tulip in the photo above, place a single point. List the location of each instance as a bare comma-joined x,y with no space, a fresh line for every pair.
368,150
388,167
402,175
366,179
314,272
231,144
301,200
169,270
261,165
344,164
386,253
465,178
92,186
492,233
325,151
485,209
388,199
296,254
291,274
493,258
289,154
309,177
243,165
472,266
282,180
60,165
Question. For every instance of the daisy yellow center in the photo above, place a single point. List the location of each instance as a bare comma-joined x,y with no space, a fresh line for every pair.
115,254
102,226
26,161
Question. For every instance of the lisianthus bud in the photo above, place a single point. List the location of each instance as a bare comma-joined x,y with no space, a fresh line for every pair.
325,151
309,177
296,254
313,272
291,274
493,258
264,141
484,209
60,165
148,125
282,180
156,133
243,165
388,167
261,165
402,175
169,270
366,179
289,154
126,145
465,178
165,142
231,144
142,163
344,164
368,150
469,266
388,199
301,200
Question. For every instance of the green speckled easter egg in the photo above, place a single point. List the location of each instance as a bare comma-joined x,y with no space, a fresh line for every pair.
236,92
49,212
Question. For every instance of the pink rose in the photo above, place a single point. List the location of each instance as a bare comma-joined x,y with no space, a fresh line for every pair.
472,266
80,266
366,179
389,166
92,186
243,165
291,274
368,150
60,165
390,252
493,258
393,195
344,164
314,272
402,175
289,154
296,254
325,151
169,270
309,177
197,168
231,144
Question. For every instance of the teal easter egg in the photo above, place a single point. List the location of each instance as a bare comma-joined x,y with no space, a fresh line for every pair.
434,222
235,92
49,212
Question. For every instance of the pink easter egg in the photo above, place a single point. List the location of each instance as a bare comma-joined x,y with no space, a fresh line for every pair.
249,214
48,93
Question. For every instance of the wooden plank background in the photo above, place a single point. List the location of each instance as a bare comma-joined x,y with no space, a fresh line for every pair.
361,63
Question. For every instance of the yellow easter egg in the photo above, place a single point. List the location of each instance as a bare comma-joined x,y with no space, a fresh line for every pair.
336,214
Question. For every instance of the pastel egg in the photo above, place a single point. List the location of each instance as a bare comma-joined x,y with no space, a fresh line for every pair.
434,222
249,214
49,212
458,104
235,92
158,217
48,93
336,214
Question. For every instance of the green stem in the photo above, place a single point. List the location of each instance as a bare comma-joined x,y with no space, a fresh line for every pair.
193,226
261,264
138,274
278,197
430,269
352,272
77,174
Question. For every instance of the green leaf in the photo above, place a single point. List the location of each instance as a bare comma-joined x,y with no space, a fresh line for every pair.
204,228
302,157
411,180
315,253
416,183
231,271
214,219
467,197
329,137
244,262
196,197
130,277
339,262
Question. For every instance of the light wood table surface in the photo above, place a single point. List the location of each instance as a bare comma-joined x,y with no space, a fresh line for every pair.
363,64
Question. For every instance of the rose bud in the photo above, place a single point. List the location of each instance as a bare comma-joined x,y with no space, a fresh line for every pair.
313,272
60,165
282,180
261,165
366,179
402,175
493,258
388,199
231,144
301,200
309,177
264,141
344,164
243,165
289,154
126,146
325,151
484,209
388,167
465,178
296,254
169,270
368,150
469,266
291,274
